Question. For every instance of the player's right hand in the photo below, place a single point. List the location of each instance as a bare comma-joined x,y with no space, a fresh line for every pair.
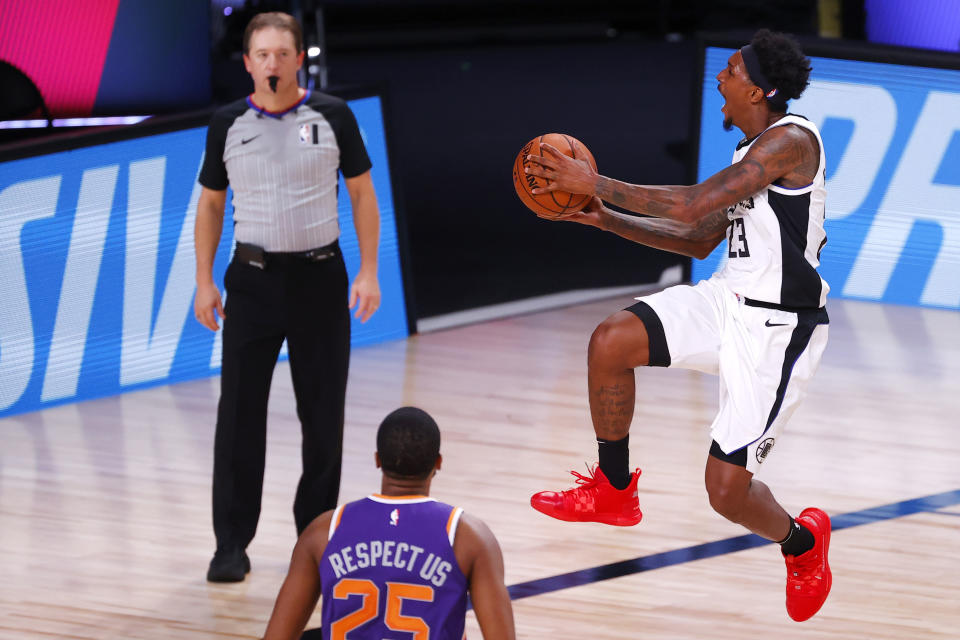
562,172
207,305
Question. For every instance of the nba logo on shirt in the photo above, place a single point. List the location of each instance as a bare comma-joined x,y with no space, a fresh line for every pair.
394,517
309,133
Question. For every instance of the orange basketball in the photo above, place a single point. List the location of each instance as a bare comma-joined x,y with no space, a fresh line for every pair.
556,202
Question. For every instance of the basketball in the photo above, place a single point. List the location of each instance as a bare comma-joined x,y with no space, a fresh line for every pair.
554,203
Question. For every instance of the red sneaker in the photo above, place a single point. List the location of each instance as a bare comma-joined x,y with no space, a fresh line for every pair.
595,500
808,575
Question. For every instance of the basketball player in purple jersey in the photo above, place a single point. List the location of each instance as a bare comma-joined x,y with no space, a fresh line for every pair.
760,323
396,565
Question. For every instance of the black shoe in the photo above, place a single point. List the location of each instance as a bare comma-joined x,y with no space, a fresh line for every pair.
228,565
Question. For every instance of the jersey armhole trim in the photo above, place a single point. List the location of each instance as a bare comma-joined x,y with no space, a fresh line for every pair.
786,191
452,523
335,521
807,125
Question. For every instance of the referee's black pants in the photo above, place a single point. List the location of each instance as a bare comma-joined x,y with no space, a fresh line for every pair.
306,303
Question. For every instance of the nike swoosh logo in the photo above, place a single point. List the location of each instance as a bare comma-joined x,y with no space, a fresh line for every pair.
774,324
250,139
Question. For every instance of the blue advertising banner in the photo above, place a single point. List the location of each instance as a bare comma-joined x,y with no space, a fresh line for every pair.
891,134
97,267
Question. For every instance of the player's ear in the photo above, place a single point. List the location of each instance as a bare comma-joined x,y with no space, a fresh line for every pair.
376,459
438,463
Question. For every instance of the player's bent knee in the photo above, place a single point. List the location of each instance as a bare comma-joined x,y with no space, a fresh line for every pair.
616,344
602,344
726,499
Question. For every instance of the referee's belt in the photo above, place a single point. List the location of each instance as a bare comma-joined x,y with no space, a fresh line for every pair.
255,256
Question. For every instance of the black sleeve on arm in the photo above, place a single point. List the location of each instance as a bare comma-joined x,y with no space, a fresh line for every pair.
354,160
213,173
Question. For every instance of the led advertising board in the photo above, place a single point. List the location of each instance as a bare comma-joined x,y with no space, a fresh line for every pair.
97,266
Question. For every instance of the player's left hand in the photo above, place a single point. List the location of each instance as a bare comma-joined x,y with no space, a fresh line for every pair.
563,172
365,295
590,215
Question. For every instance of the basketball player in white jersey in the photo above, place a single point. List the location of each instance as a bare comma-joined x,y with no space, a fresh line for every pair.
760,323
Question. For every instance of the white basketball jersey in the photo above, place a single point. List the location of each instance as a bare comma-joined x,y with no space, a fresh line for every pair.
774,241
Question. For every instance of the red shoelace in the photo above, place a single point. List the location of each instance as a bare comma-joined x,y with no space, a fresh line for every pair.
585,482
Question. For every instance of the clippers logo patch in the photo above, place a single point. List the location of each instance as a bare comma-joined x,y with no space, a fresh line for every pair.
394,517
763,449
745,205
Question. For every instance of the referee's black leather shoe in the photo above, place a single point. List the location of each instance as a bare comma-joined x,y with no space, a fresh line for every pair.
228,565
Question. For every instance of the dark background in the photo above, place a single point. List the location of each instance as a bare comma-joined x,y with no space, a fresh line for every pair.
459,117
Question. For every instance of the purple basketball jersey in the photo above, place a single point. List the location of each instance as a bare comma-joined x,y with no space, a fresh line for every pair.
389,572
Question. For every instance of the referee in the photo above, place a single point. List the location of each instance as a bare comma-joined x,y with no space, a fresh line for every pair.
280,149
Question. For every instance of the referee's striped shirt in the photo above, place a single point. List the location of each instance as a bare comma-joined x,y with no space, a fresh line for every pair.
282,168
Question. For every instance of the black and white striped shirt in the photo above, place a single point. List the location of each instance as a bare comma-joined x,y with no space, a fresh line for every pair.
283,167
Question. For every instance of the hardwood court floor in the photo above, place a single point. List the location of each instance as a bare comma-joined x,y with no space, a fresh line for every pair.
105,506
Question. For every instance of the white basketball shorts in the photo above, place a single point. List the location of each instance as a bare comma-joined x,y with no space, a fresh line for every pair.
764,355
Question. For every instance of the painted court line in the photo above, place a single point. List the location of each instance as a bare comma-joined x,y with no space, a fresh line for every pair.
929,503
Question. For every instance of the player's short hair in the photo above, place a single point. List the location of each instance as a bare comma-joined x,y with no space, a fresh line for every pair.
782,62
277,20
408,442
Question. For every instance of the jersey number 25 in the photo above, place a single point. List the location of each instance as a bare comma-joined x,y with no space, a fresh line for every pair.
370,607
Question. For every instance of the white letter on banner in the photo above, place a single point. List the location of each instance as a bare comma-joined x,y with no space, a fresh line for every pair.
144,354
89,232
913,196
873,112
19,203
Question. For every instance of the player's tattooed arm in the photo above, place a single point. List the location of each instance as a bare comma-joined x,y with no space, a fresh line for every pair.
696,240
781,152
